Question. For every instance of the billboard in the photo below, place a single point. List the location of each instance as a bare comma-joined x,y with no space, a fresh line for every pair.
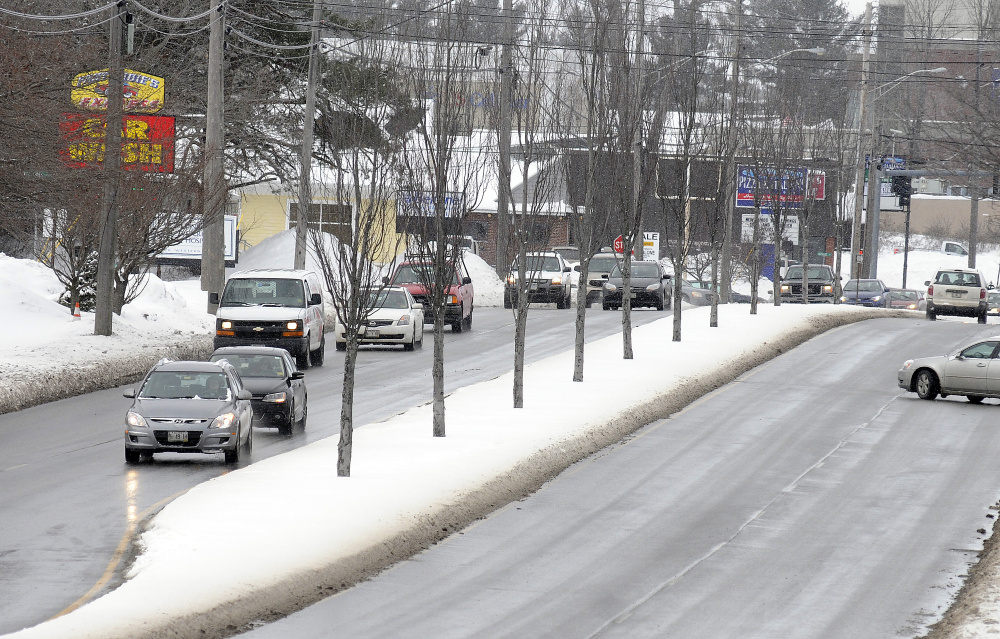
147,141
421,204
789,188
790,230
190,249
141,92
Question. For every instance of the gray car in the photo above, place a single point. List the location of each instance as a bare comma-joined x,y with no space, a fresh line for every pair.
973,371
189,407
649,283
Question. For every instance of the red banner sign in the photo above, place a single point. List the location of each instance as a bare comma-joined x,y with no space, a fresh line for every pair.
147,141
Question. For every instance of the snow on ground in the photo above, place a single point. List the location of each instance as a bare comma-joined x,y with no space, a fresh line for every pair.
404,481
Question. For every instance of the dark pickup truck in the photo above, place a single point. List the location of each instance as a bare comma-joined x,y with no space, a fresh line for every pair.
820,280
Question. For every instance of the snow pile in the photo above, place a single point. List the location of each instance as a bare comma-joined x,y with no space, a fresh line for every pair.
45,355
406,486
485,281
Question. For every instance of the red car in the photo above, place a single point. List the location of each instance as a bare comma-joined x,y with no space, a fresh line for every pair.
907,298
416,275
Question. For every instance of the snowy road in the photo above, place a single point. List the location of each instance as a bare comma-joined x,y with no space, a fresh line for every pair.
69,503
811,498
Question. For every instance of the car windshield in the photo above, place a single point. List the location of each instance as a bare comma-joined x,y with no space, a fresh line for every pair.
639,269
417,274
185,385
569,253
263,291
904,295
812,273
863,286
957,278
602,264
391,299
248,365
994,298
537,263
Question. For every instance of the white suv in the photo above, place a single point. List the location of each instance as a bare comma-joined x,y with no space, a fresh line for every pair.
549,279
957,291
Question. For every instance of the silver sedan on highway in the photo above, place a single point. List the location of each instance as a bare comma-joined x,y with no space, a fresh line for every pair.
973,371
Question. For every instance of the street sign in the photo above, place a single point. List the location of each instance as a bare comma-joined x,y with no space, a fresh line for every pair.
619,244
650,246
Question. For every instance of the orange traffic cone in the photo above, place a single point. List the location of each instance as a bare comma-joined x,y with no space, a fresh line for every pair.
76,312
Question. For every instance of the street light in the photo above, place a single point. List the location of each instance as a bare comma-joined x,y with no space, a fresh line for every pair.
875,181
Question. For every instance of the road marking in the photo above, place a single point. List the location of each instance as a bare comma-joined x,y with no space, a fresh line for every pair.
116,558
14,467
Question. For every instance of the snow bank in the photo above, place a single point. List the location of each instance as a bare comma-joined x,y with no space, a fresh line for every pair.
485,281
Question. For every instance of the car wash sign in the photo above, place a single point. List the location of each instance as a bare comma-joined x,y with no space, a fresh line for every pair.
787,189
141,92
147,142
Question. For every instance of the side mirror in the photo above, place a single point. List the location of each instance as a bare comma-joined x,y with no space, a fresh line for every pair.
605,276
244,394
213,298
297,375
315,299
567,268
418,306
665,277
927,282
385,280
130,393
466,280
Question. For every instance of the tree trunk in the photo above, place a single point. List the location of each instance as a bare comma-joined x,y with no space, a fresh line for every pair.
437,373
520,325
713,318
627,307
346,444
581,324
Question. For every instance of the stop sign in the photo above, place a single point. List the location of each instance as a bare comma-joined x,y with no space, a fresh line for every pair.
619,245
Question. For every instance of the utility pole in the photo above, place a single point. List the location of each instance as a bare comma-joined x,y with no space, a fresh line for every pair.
305,163
214,193
859,183
729,177
638,243
503,174
108,247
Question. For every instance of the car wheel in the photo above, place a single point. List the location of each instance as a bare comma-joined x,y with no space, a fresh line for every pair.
927,384
975,399
132,456
341,346
606,306
587,303
302,361
413,338
659,304
285,428
305,412
319,354
233,456
468,320
982,318
507,302
931,316
249,443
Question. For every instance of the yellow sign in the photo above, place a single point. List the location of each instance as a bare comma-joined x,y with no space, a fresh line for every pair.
141,92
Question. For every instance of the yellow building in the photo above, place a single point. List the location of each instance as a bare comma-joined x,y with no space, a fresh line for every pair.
265,211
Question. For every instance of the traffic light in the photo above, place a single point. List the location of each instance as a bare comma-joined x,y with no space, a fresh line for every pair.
902,187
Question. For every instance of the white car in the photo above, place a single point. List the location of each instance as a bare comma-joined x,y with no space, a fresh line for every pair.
396,319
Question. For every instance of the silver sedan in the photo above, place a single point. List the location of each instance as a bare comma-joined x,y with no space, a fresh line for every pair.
972,371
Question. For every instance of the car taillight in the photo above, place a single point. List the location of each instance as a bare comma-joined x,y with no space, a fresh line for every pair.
982,293
930,290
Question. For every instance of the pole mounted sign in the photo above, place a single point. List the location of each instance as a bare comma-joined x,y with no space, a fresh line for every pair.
619,244
141,92
147,141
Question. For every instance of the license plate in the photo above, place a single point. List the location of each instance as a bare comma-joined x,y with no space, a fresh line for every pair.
954,294
534,287
177,436
371,332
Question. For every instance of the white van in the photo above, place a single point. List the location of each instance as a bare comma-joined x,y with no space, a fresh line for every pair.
273,307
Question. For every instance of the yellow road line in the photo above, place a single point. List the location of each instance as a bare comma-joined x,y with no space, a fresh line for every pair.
116,558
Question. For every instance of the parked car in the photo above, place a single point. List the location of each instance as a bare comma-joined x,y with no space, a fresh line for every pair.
866,292
973,371
820,282
993,303
957,291
278,389
650,286
189,407
273,307
549,279
598,270
396,318
417,277
696,295
907,298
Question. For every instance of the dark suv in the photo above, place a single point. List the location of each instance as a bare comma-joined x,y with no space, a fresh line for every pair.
820,280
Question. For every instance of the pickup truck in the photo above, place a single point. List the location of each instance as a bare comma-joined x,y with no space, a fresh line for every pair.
820,280
459,296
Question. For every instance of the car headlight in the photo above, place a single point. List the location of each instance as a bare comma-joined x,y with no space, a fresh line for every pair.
274,398
403,321
557,280
226,325
451,299
652,287
135,419
784,288
697,294
224,421
843,299
877,298
608,286
827,289
511,280
912,307
908,363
